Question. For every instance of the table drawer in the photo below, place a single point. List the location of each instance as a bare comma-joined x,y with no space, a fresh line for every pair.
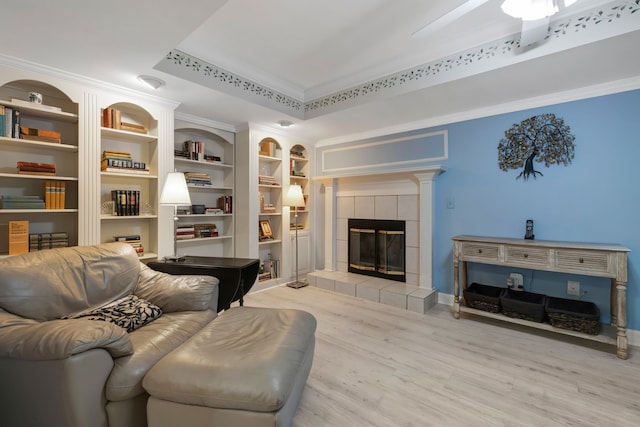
592,262
480,251
525,256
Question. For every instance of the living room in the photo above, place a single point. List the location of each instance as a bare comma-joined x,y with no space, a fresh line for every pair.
587,196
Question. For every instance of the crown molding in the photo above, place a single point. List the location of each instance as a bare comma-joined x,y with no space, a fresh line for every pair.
21,64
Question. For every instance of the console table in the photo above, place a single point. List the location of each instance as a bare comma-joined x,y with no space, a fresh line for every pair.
236,275
588,259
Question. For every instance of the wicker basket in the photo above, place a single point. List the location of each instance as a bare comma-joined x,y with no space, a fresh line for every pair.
580,316
523,305
483,297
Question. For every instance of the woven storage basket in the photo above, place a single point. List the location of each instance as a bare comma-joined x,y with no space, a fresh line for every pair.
580,316
483,297
523,305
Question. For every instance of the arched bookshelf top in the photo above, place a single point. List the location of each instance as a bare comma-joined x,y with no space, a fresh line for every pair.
270,147
52,97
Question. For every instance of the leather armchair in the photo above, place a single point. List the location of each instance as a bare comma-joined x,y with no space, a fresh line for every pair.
79,372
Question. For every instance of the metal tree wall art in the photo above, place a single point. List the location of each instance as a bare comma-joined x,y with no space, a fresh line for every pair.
543,138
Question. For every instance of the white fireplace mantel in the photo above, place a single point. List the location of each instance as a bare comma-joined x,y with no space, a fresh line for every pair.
384,183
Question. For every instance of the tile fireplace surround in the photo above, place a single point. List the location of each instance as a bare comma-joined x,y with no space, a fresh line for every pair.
405,195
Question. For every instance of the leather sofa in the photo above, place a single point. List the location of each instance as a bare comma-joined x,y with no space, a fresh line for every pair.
77,372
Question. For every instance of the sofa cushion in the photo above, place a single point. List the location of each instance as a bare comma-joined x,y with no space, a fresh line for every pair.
177,293
150,344
50,284
129,312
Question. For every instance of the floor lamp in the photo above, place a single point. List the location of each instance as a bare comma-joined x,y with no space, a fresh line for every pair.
175,193
295,199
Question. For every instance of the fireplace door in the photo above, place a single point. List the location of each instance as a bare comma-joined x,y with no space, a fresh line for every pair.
377,248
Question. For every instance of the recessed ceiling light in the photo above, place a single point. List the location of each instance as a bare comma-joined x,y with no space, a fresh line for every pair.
285,123
152,82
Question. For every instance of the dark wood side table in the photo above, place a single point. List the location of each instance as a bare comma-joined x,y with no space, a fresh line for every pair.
236,275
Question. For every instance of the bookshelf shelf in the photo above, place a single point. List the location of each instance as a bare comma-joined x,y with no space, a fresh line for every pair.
128,175
201,140
35,145
40,177
126,217
127,136
61,118
133,147
179,160
42,112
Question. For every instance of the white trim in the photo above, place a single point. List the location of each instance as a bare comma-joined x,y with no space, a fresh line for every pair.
609,88
22,64
204,122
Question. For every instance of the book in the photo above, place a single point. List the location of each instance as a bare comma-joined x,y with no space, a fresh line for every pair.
132,127
125,170
127,238
41,139
18,237
39,132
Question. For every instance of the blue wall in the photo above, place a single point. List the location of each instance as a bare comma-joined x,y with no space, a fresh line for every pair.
594,199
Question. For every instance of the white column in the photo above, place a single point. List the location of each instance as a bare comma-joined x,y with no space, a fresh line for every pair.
426,182
330,263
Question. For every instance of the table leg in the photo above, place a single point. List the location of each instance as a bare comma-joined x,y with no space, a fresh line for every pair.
621,321
456,288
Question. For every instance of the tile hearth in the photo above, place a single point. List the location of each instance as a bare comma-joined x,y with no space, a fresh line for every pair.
389,292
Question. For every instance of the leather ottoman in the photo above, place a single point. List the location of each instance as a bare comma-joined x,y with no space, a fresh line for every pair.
246,368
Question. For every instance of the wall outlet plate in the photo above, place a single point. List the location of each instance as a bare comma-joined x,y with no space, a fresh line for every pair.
573,288
516,281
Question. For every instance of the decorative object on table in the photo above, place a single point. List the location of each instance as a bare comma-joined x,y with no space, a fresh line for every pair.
543,138
295,199
528,234
175,193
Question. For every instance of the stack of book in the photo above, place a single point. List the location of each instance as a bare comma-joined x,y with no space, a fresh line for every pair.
205,230
213,211
42,135
185,232
42,241
225,203
267,180
54,194
112,118
32,168
9,122
121,161
197,178
126,202
21,202
133,240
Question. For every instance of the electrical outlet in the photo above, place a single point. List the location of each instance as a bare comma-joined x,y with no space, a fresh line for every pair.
573,288
515,281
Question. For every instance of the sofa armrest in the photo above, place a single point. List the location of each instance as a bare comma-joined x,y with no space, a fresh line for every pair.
177,292
29,339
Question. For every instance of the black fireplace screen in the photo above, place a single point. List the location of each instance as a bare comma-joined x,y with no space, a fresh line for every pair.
377,248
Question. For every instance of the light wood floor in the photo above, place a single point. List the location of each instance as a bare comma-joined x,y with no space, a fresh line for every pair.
377,365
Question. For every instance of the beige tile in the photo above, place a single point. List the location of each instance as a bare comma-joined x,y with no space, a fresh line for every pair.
346,207
412,234
342,232
409,207
364,207
370,289
411,261
422,300
386,207
325,283
345,287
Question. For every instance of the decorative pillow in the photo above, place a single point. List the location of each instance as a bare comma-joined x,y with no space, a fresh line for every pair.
129,313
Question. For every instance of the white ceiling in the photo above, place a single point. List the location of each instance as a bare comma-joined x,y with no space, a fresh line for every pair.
310,49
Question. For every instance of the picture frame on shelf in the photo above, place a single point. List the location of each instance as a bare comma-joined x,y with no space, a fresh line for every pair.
265,230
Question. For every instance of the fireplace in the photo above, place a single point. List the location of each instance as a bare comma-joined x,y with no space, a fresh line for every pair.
377,248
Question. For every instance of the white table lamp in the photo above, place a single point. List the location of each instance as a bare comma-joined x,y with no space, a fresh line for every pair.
175,193
295,199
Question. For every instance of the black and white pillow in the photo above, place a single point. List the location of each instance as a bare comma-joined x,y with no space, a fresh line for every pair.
129,313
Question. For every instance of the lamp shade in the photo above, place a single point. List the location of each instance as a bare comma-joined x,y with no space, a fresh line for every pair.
530,10
294,197
175,191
